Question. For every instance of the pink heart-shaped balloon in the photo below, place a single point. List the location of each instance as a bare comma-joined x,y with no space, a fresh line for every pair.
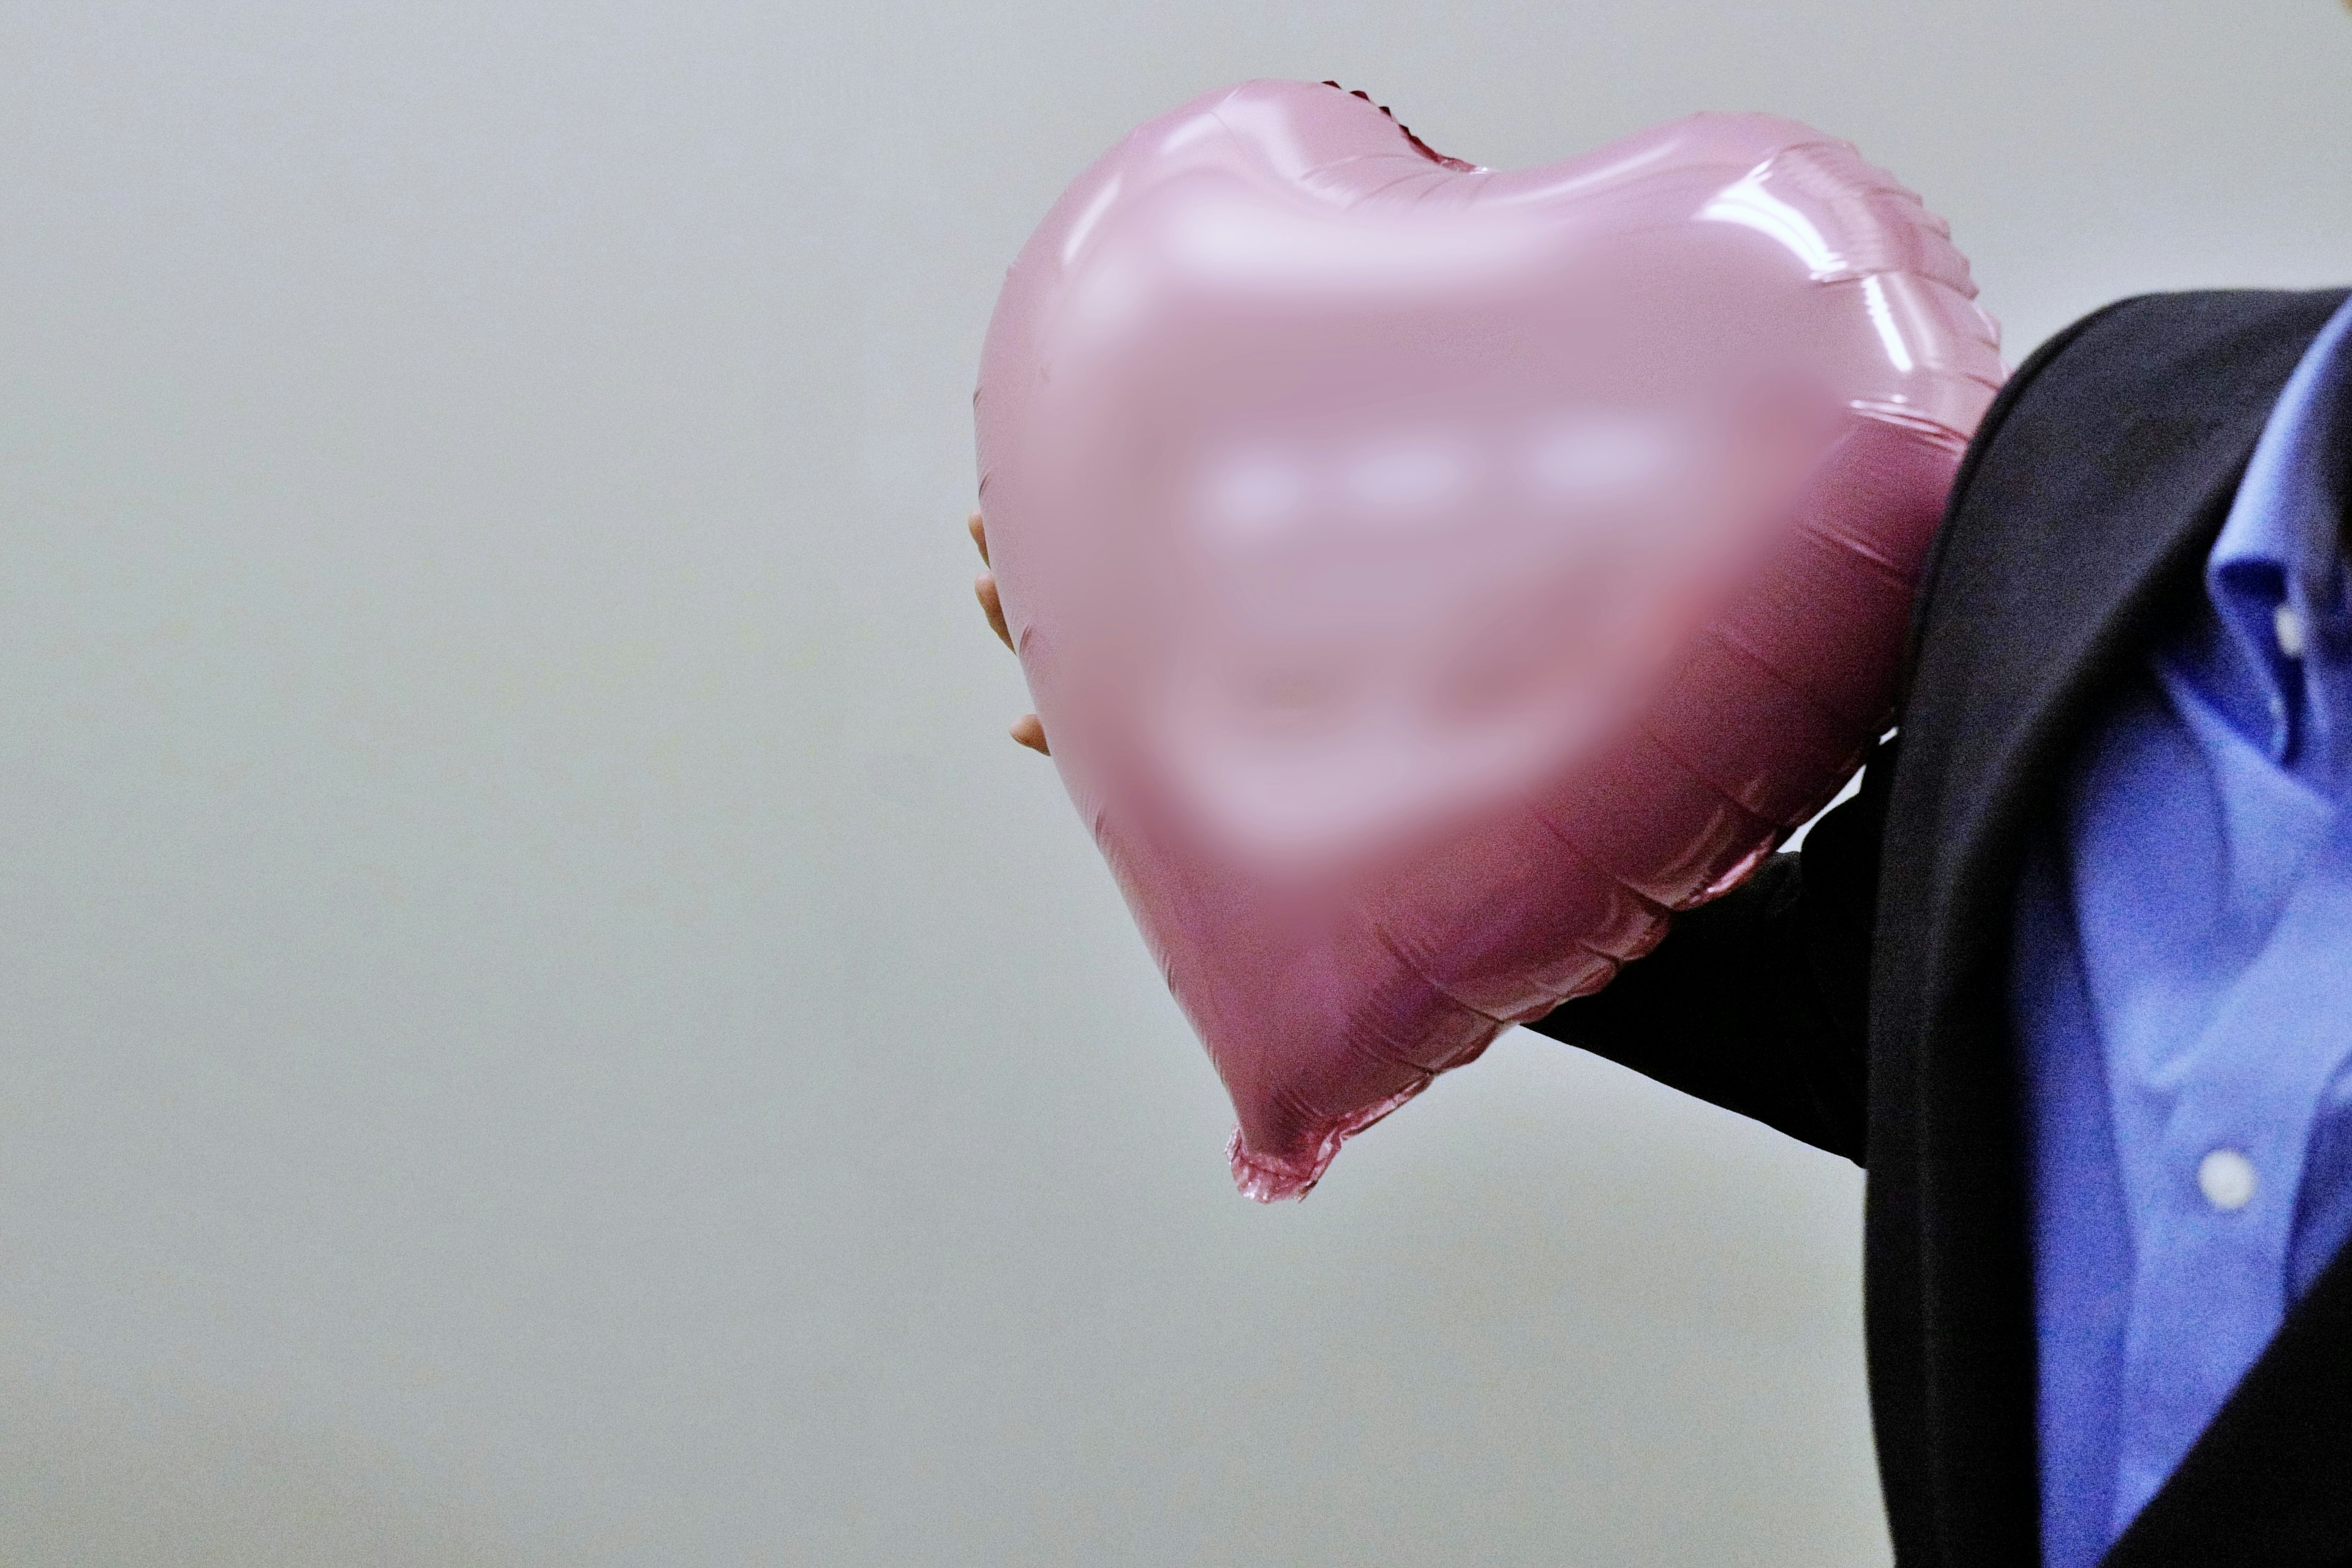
1431,578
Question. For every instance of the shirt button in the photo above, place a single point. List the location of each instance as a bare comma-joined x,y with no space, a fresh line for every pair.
2286,621
2226,1179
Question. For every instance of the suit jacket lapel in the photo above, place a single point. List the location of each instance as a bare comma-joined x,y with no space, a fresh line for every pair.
2270,1482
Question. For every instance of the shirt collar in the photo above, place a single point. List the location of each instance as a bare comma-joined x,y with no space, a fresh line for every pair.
2276,574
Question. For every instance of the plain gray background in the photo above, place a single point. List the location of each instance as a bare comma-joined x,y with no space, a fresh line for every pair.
541,1022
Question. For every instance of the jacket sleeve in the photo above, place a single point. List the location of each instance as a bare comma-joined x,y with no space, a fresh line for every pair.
1759,1001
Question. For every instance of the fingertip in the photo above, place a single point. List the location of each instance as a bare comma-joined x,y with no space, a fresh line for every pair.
991,604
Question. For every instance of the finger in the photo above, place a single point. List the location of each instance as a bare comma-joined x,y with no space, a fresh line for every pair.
1031,733
980,537
985,586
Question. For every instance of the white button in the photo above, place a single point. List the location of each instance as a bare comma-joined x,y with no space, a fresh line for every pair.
2287,622
2226,1179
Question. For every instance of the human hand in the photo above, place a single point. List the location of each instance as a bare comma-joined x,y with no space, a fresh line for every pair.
1025,729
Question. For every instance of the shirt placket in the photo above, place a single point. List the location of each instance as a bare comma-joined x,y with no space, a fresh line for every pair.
2216,1194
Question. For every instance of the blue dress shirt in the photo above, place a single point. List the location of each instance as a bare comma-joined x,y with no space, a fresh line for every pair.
2182,991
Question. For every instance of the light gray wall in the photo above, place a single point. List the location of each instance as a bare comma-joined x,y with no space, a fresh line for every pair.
541,1020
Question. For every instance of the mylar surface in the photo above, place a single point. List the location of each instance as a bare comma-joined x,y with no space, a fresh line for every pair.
1431,578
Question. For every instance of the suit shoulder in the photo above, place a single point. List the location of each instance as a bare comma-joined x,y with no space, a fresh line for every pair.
2168,355
2101,401
2127,397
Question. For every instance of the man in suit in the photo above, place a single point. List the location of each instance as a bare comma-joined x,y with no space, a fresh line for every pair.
2070,976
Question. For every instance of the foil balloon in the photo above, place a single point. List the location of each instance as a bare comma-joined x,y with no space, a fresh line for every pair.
1431,578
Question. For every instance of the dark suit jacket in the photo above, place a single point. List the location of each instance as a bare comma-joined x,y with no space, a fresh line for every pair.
1854,995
